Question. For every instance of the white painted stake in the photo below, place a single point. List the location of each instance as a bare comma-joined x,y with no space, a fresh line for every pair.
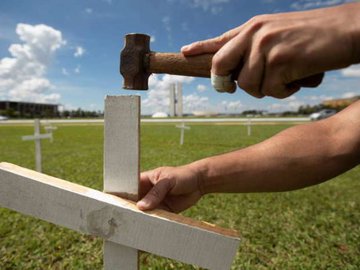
121,167
182,128
49,128
248,124
37,137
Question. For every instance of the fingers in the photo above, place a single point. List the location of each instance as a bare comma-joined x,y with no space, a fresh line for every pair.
211,45
274,87
224,62
145,184
155,188
223,83
251,76
229,57
311,81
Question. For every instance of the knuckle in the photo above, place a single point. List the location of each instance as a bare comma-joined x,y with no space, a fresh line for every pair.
247,85
217,61
277,57
259,21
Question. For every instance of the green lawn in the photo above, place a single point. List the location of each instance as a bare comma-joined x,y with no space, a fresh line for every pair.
315,228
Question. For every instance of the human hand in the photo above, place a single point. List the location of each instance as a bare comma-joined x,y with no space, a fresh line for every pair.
171,188
280,53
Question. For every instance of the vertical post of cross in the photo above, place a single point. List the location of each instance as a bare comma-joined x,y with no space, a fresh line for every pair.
121,167
182,128
37,145
37,137
248,124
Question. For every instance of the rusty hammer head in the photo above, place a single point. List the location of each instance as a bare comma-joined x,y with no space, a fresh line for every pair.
132,61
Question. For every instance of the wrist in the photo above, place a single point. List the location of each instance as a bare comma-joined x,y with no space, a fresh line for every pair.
200,169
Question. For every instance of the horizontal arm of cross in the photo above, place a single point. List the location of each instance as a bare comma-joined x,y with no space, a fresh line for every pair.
93,212
183,127
37,137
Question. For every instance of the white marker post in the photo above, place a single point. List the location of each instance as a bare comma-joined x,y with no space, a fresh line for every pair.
49,128
248,124
121,167
182,127
37,137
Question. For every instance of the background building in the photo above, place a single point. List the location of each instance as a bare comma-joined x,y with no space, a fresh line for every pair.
28,109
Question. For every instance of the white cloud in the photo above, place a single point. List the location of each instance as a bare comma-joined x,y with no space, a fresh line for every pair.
311,4
79,51
214,6
352,71
152,39
157,98
64,71
193,102
167,25
317,99
89,10
285,105
201,87
166,22
232,106
77,70
22,76
349,95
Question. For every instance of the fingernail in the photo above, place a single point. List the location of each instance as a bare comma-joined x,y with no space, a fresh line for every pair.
185,48
142,205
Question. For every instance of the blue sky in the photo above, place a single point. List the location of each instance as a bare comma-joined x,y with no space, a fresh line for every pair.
67,52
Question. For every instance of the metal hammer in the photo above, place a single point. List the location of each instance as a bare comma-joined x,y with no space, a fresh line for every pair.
137,62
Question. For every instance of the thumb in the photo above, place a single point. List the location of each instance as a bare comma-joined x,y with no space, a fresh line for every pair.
156,195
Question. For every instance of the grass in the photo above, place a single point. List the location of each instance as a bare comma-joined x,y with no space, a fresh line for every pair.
314,228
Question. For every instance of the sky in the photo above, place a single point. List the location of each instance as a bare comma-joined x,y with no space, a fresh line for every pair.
67,52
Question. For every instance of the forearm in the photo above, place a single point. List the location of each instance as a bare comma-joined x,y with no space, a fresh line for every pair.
354,30
297,157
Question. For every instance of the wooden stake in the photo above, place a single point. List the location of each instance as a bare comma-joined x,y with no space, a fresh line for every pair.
121,167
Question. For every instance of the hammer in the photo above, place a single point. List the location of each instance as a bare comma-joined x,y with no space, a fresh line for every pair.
137,62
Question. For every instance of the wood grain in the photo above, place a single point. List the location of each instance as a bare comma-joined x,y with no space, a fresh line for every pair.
121,167
178,64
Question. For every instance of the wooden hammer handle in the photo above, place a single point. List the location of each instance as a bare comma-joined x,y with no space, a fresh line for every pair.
178,64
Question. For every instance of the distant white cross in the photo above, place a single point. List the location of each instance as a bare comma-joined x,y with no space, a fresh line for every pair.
49,128
37,137
182,127
248,124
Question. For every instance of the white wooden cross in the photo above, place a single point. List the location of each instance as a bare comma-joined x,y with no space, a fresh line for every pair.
49,128
124,228
182,128
37,137
248,124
